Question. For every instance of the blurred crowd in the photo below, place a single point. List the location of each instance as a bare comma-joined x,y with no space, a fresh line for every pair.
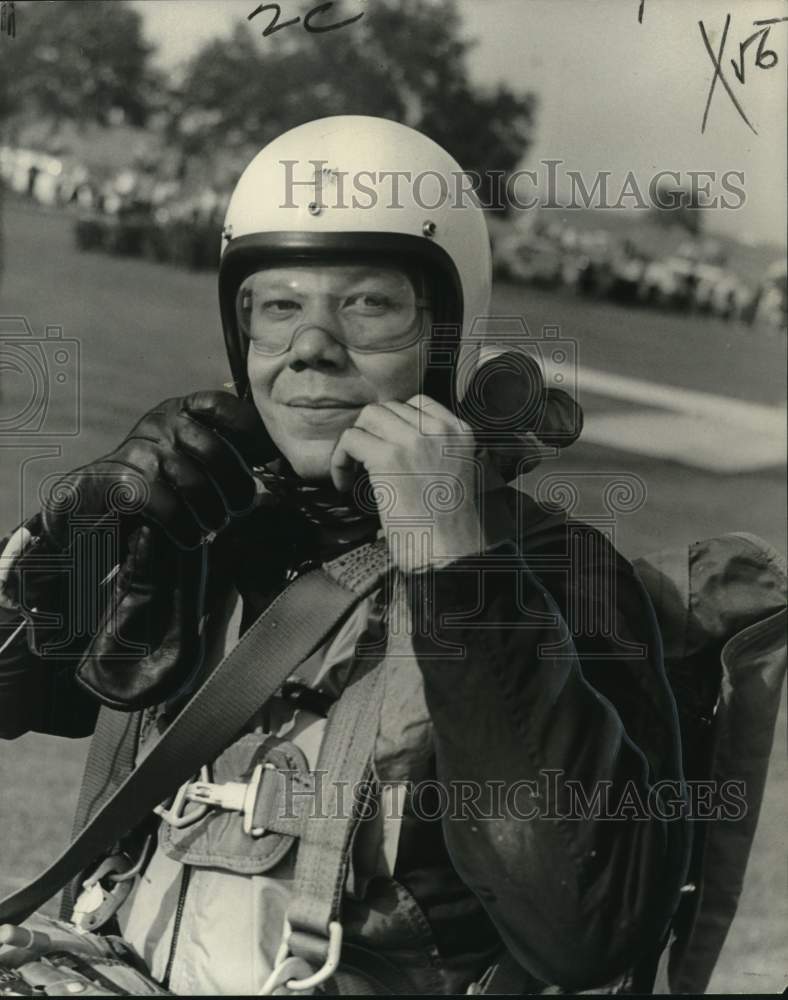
692,277
148,209
141,210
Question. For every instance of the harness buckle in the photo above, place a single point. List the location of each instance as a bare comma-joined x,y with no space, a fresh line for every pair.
308,983
250,799
277,982
176,815
235,796
96,904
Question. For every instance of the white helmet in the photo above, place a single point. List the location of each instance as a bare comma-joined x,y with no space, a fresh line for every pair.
354,185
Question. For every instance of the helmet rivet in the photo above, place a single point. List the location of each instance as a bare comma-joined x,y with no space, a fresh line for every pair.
313,208
429,228
227,233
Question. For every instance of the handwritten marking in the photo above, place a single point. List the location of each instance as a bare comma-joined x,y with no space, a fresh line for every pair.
760,57
764,59
321,8
719,75
274,24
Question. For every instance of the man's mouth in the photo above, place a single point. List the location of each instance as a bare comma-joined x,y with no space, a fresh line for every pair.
323,403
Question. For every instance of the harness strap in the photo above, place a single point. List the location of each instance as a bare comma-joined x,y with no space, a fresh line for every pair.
110,759
294,625
343,765
312,929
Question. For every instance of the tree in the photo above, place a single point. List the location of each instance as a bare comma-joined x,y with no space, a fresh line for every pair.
404,59
678,206
76,61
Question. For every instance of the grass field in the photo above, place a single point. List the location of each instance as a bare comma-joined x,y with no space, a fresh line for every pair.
145,332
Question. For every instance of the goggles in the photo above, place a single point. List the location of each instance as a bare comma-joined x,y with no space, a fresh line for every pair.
375,313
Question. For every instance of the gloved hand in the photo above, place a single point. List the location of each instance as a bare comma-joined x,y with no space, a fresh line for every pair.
185,467
182,472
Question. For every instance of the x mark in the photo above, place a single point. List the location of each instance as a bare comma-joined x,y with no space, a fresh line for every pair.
719,75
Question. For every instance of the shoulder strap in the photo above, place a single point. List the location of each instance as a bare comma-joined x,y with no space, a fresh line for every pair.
289,630
110,759
312,930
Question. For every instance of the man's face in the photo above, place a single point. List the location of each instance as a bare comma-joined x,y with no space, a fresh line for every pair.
324,341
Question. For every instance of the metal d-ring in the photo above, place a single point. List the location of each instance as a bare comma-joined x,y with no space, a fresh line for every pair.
175,814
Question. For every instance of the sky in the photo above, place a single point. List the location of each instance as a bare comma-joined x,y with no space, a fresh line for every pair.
614,94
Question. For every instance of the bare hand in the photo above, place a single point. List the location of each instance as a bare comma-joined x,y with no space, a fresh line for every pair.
419,458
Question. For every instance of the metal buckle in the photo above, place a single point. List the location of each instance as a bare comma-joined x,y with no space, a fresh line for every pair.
308,983
291,966
250,799
235,796
96,905
176,815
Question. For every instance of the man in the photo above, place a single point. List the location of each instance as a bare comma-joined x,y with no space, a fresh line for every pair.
347,323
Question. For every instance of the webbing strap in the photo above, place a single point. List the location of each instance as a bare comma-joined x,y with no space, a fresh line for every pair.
288,631
324,848
110,759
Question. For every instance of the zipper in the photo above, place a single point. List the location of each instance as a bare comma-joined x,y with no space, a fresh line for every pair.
176,927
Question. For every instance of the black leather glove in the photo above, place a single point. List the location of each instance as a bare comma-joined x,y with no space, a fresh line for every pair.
182,472
149,644
185,467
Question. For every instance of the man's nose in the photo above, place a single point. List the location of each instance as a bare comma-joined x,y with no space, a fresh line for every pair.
317,341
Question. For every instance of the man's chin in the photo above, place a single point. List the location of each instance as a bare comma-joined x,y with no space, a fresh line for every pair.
311,460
